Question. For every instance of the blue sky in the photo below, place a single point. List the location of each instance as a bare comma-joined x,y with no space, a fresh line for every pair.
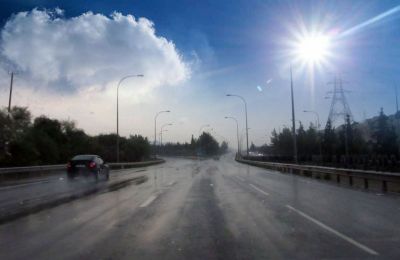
235,46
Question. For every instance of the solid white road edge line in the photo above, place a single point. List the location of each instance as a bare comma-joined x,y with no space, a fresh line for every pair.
258,189
148,201
337,233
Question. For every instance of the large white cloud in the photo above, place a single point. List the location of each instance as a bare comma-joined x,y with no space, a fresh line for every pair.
68,68
88,51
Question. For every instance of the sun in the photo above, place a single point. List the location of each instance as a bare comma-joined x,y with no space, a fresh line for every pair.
313,48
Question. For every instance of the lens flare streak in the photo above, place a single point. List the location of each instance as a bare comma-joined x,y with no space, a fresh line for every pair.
371,21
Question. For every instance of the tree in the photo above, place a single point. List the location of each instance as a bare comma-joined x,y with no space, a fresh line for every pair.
105,145
223,147
274,140
385,136
135,148
301,141
207,145
50,141
282,143
345,138
311,140
20,121
286,142
358,140
192,144
329,139
76,140
13,127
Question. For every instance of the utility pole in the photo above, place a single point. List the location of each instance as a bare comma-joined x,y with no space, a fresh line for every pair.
293,119
6,143
346,136
397,117
397,101
9,99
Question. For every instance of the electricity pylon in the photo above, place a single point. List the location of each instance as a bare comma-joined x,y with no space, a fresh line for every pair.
340,108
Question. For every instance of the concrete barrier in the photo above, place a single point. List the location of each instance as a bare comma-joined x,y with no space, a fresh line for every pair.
384,181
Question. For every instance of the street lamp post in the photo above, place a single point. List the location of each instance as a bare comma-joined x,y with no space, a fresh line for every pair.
161,132
316,114
237,131
119,83
155,129
245,111
162,127
293,119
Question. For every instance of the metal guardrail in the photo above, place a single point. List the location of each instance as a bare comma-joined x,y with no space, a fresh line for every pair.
135,164
32,169
329,172
60,167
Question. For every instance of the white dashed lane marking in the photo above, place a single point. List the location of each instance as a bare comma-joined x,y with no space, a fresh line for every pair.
258,189
148,201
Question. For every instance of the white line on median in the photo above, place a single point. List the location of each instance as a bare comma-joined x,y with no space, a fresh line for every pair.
148,201
337,233
240,178
171,183
258,189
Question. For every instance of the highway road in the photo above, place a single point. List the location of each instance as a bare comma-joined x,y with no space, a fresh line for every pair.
209,209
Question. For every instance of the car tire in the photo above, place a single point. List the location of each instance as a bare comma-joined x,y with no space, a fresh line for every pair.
96,176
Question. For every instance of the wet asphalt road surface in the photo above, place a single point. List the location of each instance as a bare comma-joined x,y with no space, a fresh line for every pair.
18,196
188,209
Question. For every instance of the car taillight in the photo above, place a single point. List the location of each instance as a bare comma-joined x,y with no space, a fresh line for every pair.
69,165
92,164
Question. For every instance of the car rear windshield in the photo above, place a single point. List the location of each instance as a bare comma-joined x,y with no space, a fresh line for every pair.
83,158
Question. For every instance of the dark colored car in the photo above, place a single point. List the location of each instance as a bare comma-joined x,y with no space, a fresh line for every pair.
88,166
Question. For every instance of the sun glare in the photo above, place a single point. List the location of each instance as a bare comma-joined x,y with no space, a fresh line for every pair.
313,48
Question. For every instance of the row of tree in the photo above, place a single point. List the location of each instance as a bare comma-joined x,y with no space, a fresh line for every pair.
24,141
205,145
375,137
